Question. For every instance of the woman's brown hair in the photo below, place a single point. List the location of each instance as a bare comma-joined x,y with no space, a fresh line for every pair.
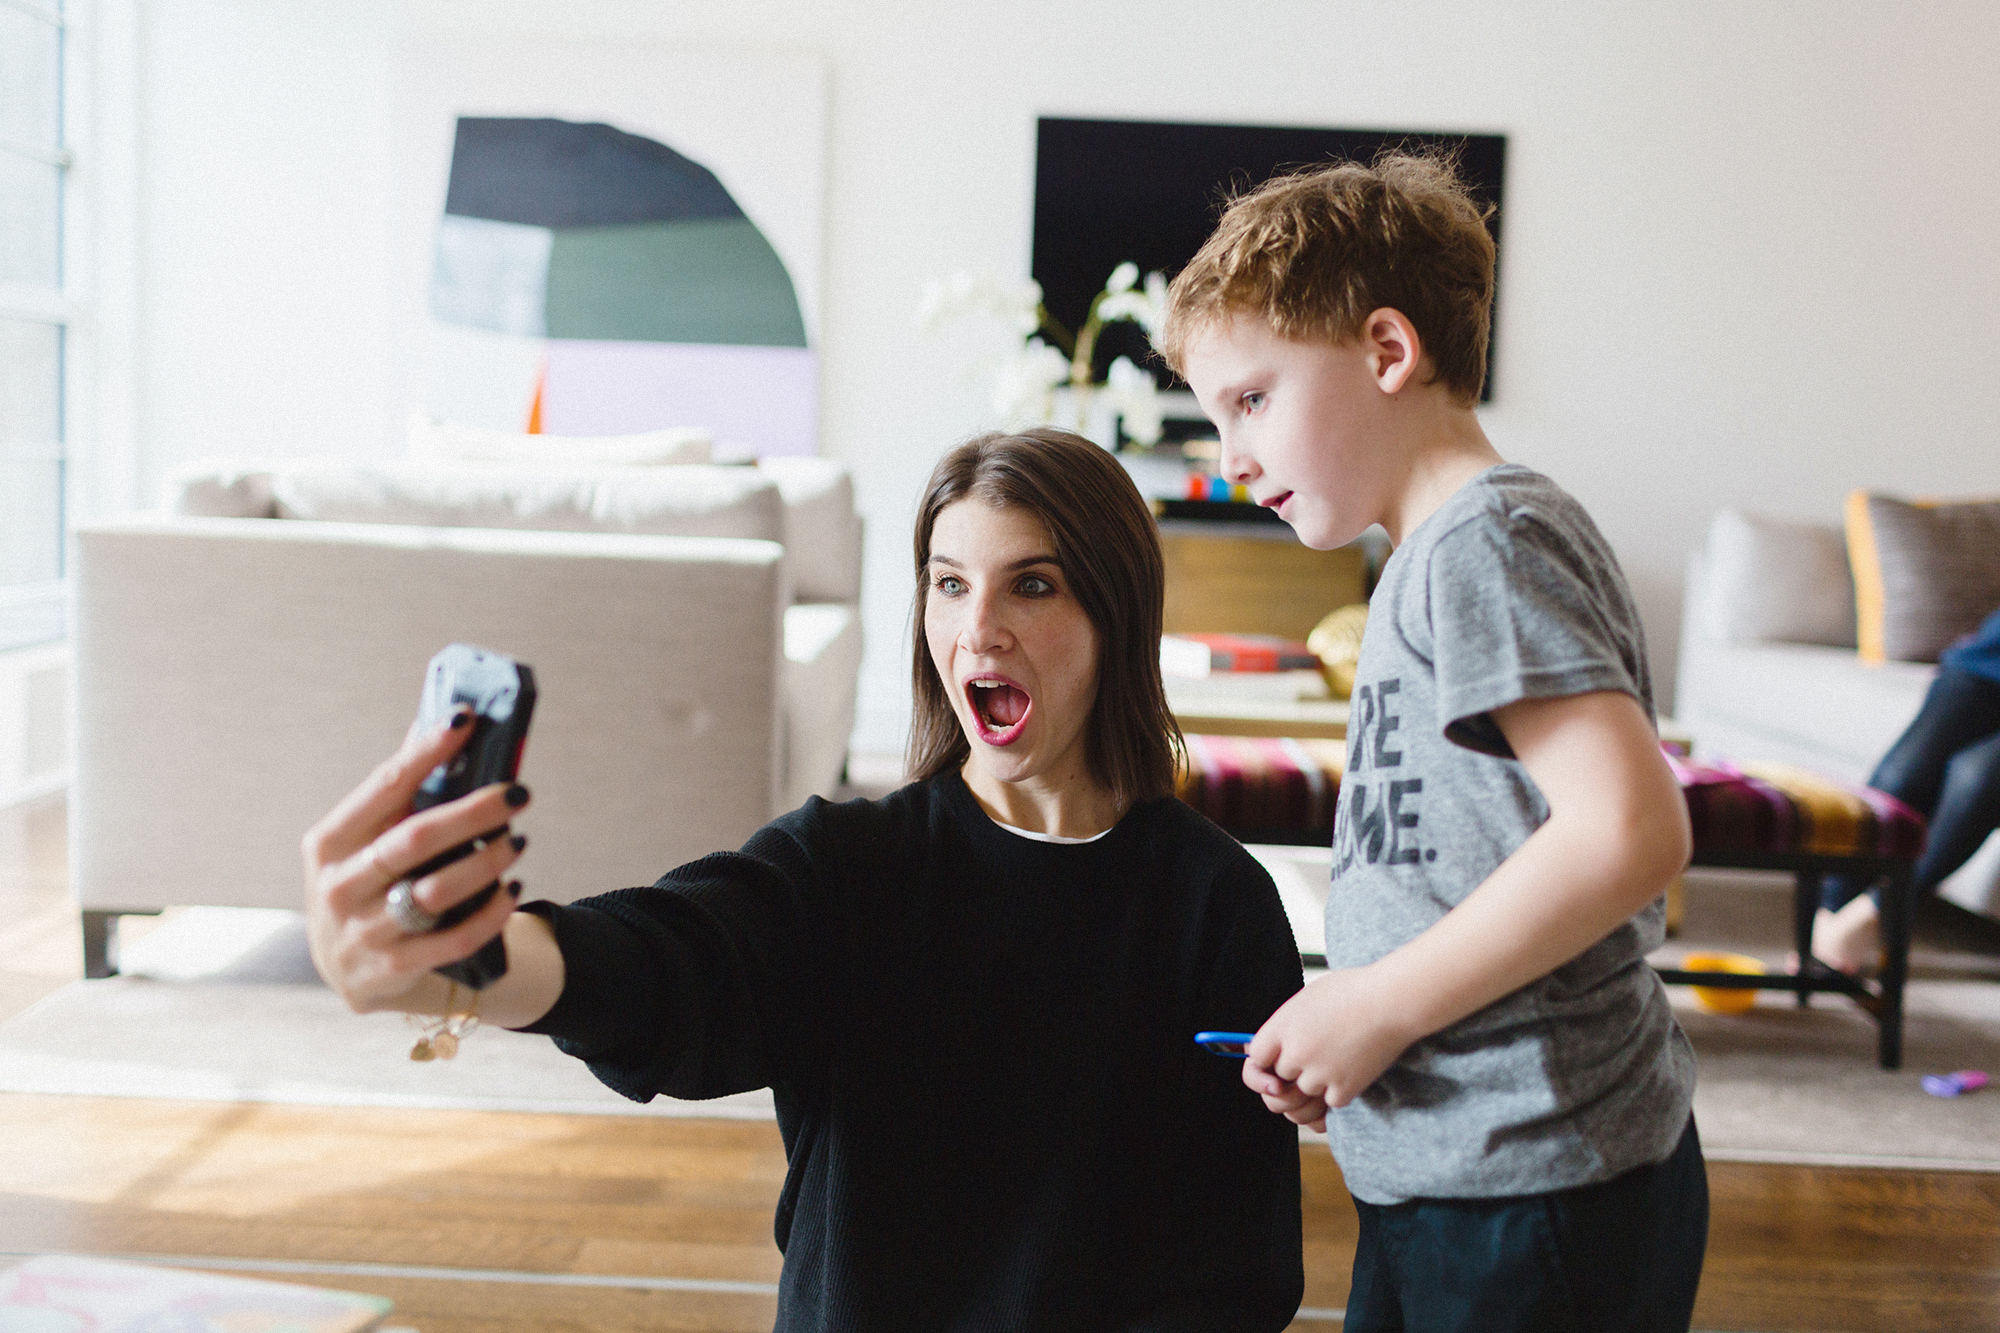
1109,550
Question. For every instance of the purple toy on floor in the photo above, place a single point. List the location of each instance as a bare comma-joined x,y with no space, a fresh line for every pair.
1951,1085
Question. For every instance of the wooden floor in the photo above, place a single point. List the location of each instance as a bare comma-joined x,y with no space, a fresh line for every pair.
505,1222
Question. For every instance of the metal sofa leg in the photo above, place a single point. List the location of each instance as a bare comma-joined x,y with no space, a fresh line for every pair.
100,935
100,939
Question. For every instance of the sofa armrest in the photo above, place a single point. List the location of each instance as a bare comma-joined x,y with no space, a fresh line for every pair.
822,670
235,676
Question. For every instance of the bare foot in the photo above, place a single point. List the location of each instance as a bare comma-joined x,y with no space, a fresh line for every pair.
1849,940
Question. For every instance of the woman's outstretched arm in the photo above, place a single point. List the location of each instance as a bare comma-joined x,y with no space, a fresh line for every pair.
368,843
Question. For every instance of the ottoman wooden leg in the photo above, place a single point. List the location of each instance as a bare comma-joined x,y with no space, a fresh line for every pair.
1896,908
1805,906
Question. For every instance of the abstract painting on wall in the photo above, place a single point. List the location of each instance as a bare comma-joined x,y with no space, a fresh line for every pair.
596,274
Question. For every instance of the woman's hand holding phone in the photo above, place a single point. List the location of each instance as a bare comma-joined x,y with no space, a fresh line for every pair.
366,845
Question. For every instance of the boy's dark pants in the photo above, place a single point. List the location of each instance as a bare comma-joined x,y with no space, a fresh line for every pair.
1623,1256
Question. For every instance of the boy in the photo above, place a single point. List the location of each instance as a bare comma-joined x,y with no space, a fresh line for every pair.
1496,1067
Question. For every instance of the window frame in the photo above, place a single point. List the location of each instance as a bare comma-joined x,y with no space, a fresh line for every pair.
36,613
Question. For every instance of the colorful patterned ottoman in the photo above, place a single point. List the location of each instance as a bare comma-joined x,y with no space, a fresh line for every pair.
1266,788
1757,817
1775,817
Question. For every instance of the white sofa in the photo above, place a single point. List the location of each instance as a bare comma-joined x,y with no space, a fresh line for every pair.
1768,669
244,656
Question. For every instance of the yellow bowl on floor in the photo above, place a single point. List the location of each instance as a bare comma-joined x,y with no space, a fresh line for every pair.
1714,998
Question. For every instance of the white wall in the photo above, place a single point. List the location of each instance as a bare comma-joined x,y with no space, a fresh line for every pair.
1752,251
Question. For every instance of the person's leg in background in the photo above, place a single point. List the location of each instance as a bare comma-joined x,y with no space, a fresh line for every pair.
1967,811
1945,766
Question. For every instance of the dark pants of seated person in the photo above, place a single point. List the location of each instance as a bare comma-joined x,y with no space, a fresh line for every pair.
1946,767
1623,1256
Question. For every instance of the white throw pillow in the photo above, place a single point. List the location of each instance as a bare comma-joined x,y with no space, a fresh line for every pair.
221,490
822,531
673,501
1778,579
435,440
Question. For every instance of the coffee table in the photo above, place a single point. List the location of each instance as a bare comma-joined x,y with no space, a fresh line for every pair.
1303,876
1251,704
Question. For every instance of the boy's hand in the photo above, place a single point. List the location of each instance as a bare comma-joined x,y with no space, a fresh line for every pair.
1285,1099
1325,1045
1617,831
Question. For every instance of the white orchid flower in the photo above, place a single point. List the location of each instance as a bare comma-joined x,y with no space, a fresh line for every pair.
967,293
1137,400
1023,309
948,298
1122,278
1024,384
1156,298
1147,307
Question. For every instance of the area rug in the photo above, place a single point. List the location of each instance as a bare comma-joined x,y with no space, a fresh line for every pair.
1781,1083
1784,1084
222,1004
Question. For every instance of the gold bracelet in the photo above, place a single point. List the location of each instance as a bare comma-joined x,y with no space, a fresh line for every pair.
440,1036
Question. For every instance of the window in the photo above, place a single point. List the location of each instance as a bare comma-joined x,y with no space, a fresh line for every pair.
34,321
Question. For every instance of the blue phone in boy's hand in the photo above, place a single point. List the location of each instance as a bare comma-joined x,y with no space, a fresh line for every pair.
1235,1045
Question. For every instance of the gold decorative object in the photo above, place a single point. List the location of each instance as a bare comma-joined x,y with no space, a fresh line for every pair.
1336,642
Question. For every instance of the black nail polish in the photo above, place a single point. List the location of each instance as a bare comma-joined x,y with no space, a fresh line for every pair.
462,718
519,840
514,888
517,795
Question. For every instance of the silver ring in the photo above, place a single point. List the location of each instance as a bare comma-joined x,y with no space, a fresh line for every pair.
403,910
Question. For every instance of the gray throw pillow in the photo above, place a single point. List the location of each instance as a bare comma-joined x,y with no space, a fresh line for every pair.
1925,572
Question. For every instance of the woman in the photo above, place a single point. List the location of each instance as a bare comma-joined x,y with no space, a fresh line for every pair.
1946,766
974,1000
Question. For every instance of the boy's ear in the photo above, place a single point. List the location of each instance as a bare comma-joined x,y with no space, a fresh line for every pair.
1392,347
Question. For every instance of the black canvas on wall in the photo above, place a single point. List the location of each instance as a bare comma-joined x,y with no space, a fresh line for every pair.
1111,190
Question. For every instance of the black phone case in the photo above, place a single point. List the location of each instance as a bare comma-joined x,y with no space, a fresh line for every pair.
501,693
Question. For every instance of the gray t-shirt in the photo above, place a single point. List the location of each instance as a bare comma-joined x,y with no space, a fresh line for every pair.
1507,592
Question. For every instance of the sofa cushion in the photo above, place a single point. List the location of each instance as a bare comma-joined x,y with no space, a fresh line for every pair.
1924,572
441,441
1812,704
1771,579
668,501
822,531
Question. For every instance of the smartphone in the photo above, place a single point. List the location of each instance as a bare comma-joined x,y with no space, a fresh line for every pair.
501,694
1234,1045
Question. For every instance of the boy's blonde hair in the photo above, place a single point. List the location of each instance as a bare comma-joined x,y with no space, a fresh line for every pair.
1315,252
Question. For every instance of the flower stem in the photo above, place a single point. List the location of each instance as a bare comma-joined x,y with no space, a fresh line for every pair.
1081,368
1057,334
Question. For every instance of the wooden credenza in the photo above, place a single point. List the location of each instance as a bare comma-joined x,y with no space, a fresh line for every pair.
1243,578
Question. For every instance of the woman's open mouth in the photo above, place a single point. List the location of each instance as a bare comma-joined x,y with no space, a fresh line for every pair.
999,706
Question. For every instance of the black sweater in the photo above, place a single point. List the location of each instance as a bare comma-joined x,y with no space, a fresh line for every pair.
980,1050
